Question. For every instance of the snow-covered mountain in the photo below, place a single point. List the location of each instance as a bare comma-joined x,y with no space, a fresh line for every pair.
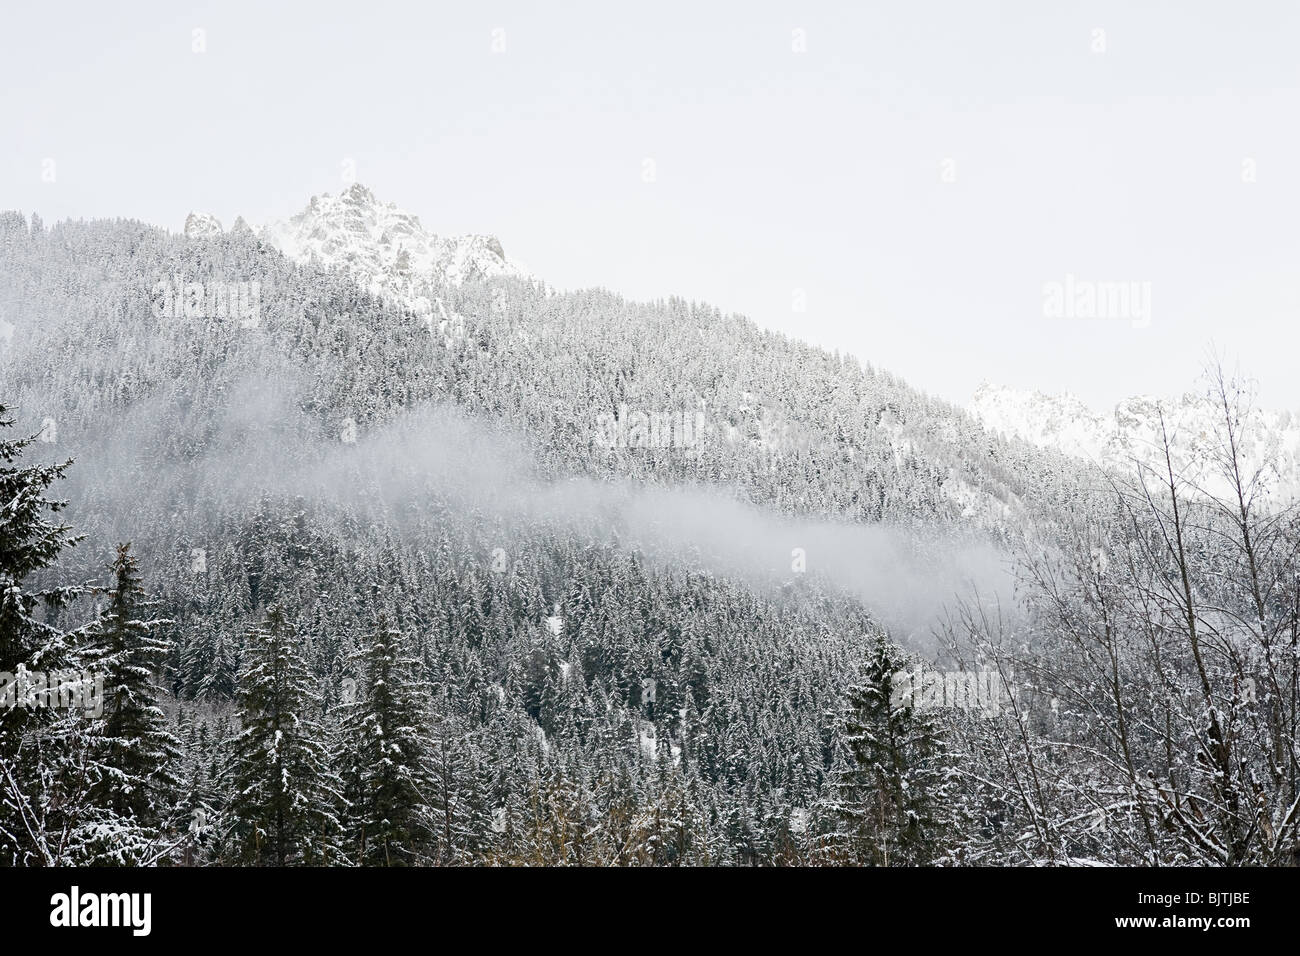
201,225
383,247
388,253
1130,433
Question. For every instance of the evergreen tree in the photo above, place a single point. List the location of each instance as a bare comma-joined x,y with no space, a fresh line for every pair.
455,798
283,797
139,757
199,804
388,762
41,792
29,542
890,791
220,680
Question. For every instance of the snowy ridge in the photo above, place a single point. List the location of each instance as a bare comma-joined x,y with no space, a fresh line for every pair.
200,225
1131,432
383,247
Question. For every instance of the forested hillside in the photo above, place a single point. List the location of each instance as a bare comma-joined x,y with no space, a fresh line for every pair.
410,585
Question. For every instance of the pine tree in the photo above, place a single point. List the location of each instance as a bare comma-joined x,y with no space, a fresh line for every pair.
454,791
29,542
388,771
282,795
199,797
41,793
890,790
137,754
221,677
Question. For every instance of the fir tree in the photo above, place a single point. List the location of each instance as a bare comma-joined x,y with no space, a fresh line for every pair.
388,772
199,803
890,788
42,793
221,678
138,755
455,791
29,542
282,794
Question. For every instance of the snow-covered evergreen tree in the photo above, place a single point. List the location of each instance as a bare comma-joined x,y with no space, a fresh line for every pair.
283,798
43,789
136,751
389,782
890,793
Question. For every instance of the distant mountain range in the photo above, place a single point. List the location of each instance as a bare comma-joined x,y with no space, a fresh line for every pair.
1130,433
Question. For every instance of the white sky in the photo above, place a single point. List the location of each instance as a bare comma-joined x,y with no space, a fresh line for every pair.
775,170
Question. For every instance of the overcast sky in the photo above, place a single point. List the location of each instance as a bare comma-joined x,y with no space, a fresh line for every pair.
911,173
